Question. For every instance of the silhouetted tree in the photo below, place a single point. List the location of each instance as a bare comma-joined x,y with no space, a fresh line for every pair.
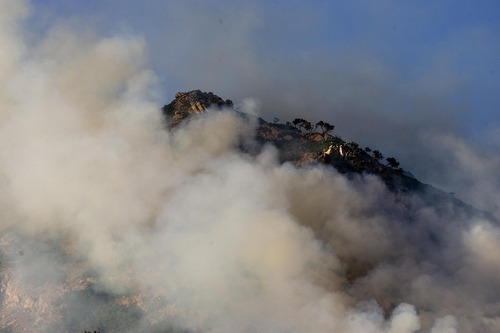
368,150
319,124
307,126
300,123
297,122
392,162
325,127
377,154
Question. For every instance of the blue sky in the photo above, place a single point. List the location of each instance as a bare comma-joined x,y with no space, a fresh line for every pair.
384,72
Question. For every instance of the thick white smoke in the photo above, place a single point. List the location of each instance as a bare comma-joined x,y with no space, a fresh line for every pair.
199,235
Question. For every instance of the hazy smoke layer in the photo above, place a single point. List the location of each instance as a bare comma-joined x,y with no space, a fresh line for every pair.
198,235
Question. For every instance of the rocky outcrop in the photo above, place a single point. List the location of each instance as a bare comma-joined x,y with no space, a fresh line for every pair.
192,102
296,144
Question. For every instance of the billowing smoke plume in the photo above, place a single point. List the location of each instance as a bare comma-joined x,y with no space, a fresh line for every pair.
183,231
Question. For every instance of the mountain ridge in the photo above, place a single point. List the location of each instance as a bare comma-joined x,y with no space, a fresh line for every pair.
301,145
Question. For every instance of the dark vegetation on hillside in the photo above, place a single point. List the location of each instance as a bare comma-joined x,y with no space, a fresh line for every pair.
298,141
302,143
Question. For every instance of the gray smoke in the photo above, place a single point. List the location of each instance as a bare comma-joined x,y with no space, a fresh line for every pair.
201,236
342,63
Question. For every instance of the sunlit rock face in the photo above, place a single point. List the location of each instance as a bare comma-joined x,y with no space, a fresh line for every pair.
192,102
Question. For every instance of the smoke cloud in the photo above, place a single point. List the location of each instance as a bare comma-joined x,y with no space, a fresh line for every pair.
389,75
110,222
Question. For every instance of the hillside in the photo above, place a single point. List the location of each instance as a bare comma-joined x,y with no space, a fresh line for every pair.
302,143
174,235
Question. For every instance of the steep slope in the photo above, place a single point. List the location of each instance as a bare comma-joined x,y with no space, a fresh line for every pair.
297,144
229,234
303,145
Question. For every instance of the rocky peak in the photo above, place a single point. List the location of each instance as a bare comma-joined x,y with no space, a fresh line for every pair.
192,102
298,142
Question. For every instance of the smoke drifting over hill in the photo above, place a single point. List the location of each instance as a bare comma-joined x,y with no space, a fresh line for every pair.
405,78
196,234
